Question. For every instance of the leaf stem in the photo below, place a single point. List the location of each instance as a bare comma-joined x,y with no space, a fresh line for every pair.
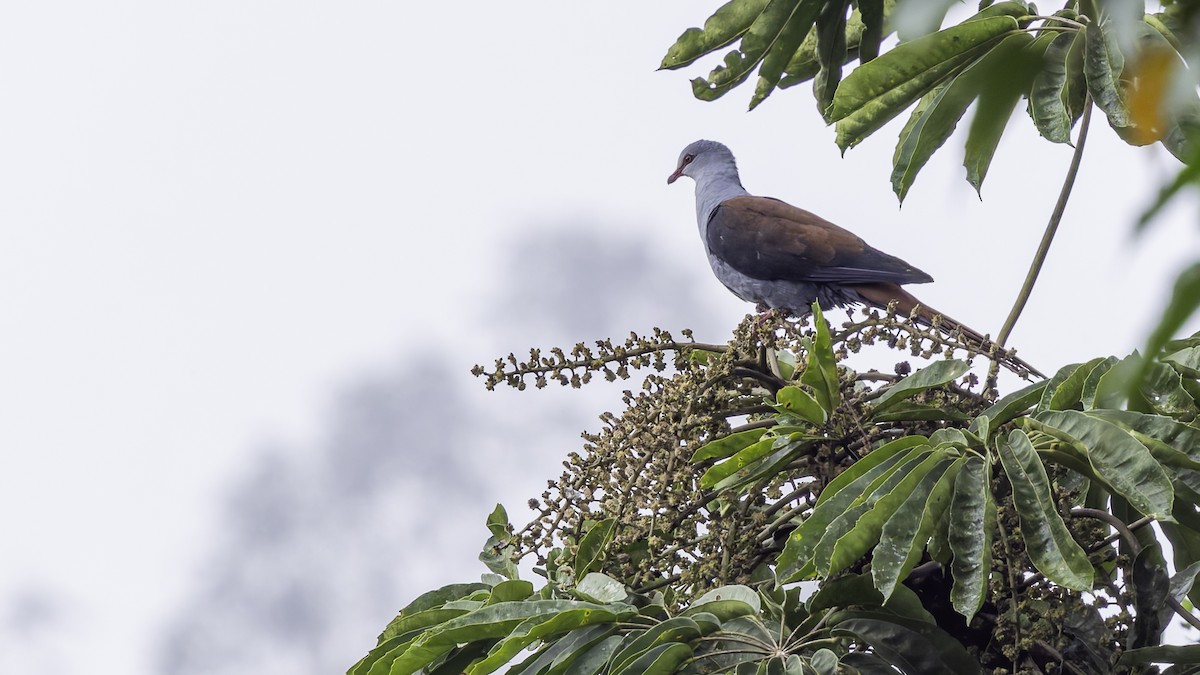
1039,258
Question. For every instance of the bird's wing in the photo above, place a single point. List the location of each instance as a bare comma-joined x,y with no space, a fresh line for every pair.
768,239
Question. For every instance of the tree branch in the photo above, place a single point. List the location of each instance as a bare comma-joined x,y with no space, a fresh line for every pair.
1039,258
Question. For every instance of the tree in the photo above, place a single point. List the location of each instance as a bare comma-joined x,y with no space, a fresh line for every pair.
942,527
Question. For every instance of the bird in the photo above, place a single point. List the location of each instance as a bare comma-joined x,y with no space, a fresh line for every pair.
783,258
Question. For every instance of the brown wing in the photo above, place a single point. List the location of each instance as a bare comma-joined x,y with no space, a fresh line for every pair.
768,239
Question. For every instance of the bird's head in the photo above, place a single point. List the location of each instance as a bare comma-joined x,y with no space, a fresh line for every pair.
701,157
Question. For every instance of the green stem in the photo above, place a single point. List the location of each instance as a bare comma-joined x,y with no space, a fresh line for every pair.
1039,258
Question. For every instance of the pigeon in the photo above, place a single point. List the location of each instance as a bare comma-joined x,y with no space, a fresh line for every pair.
783,258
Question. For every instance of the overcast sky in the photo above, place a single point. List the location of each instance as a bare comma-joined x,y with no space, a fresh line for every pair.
216,215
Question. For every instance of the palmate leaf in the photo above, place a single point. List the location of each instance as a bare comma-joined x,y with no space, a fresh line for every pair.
1007,83
1050,546
854,533
799,25
676,630
538,628
497,622
795,561
771,39
727,24
805,63
938,113
904,535
879,90
555,657
1116,457
912,646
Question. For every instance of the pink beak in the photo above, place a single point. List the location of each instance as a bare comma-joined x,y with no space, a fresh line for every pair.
675,176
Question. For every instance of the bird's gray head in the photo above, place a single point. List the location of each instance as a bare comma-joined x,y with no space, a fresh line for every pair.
701,158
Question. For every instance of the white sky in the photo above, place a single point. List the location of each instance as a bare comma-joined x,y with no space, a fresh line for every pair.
213,214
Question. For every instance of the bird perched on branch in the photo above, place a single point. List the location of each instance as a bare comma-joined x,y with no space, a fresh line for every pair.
783,258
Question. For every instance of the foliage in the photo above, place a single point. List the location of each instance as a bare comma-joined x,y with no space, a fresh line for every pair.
1128,62
762,507
680,541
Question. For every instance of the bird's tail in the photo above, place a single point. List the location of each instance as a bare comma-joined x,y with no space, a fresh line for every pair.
883,294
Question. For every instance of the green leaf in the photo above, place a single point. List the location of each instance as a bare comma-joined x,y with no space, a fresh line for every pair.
1008,80
674,630
511,590
879,90
836,498
1186,361
801,403
727,24
821,372
727,446
873,16
934,375
727,602
1093,381
972,522
1009,407
938,113
904,535
1118,458
496,622
738,462
1160,654
775,34
1185,297
831,50
558,656
858,590
1050,98
754,469
660,660
1151,588
1049,544
797,28
805,63
851,535
601,588
1189,174
1162,388
593,660
538,628
913,647
380,658
1114,384
1102,65
1185,550
919,412
497,555
1171,443
593,548
1067,393
497,522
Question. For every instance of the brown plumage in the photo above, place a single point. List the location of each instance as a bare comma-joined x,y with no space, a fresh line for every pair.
782,257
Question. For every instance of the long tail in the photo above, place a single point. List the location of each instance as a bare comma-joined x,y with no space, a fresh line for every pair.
883,294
